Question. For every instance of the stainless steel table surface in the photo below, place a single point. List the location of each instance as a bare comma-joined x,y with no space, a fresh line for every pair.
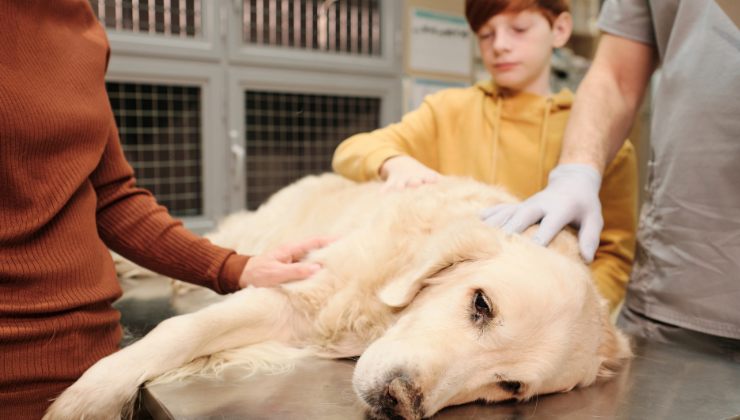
661,382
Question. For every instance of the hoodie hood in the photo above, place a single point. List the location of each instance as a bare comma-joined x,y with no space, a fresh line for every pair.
560,101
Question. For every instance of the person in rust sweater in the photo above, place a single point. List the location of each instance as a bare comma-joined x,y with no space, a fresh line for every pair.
67,194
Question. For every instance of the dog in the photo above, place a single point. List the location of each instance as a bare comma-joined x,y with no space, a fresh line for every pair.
441,308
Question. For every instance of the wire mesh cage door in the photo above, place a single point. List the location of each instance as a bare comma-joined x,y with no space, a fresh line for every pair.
290,135
160,130
333,26
179,18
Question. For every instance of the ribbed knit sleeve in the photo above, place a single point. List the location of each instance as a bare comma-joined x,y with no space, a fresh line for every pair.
132,224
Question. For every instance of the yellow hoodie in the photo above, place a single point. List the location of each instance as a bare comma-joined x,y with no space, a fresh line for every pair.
512,141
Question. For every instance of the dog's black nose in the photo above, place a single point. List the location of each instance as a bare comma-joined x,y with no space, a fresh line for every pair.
400,399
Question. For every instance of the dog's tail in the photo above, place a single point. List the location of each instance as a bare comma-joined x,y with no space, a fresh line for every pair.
270,357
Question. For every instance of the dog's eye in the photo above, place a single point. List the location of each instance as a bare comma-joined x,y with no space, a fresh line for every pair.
513,387
481,308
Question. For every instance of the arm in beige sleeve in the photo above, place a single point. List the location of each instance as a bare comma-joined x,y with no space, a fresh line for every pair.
361,156
131,223
607,101
612,264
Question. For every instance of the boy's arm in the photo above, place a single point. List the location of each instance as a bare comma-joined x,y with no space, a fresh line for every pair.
361,156
616,252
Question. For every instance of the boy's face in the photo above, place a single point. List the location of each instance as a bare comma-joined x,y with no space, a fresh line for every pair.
516,48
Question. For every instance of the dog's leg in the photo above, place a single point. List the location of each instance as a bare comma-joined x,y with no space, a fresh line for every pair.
248,317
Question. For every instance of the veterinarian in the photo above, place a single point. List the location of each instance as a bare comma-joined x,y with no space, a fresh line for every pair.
66,195
506,132
685,287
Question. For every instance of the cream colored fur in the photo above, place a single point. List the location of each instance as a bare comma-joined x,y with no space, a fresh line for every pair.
402,286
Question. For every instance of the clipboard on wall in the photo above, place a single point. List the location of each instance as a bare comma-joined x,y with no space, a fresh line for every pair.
439,44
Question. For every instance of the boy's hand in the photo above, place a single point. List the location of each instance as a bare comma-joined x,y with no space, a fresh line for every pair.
400,172
571,196
282,264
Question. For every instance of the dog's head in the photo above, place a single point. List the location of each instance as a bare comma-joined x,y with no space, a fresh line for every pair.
487,317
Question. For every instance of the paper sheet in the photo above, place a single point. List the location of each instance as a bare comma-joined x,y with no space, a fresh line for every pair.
440,43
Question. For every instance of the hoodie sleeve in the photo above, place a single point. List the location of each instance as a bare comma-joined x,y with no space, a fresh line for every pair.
616,253
361,156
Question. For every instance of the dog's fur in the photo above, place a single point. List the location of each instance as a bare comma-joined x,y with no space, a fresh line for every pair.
443,309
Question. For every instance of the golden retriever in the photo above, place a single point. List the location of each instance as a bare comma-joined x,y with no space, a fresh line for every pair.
442,308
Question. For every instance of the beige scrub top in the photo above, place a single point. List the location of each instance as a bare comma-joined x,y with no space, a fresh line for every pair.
687,270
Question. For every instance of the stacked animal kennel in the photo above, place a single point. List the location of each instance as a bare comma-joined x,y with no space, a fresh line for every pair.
220,103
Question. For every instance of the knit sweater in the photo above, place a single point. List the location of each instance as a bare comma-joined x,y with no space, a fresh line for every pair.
67,194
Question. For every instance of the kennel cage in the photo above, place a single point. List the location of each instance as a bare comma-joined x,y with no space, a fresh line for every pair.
340,26
289,135
178,87
160,130
182,18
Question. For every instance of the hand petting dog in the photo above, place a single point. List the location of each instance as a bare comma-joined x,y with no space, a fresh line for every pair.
282,264
400,172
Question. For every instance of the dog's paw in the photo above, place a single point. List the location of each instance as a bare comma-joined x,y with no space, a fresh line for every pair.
97,395
78,403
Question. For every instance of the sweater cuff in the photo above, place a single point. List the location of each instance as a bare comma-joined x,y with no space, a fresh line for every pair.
375,159
231,271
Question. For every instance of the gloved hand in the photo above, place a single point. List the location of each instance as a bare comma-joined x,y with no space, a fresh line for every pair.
571,196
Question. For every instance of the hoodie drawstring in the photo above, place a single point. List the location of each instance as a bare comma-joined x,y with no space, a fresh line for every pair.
496,132
543,143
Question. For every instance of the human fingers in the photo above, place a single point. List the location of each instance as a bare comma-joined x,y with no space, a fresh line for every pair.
497,216
523,217
295,271
588,236
296,251
413,182
393,184
270,272
550,225
430,178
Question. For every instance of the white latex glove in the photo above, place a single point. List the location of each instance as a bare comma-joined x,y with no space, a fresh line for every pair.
571,196
402,172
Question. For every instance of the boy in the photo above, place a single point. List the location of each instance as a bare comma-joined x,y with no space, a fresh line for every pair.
507,131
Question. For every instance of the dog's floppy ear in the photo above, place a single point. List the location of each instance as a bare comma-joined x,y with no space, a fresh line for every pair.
457,242
614,350
565,242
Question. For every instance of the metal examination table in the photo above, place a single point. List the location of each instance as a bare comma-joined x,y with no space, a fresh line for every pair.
661,382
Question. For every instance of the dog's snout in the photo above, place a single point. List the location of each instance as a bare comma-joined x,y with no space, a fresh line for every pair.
397,398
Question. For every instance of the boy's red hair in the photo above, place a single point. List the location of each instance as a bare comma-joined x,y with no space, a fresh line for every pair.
478,12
